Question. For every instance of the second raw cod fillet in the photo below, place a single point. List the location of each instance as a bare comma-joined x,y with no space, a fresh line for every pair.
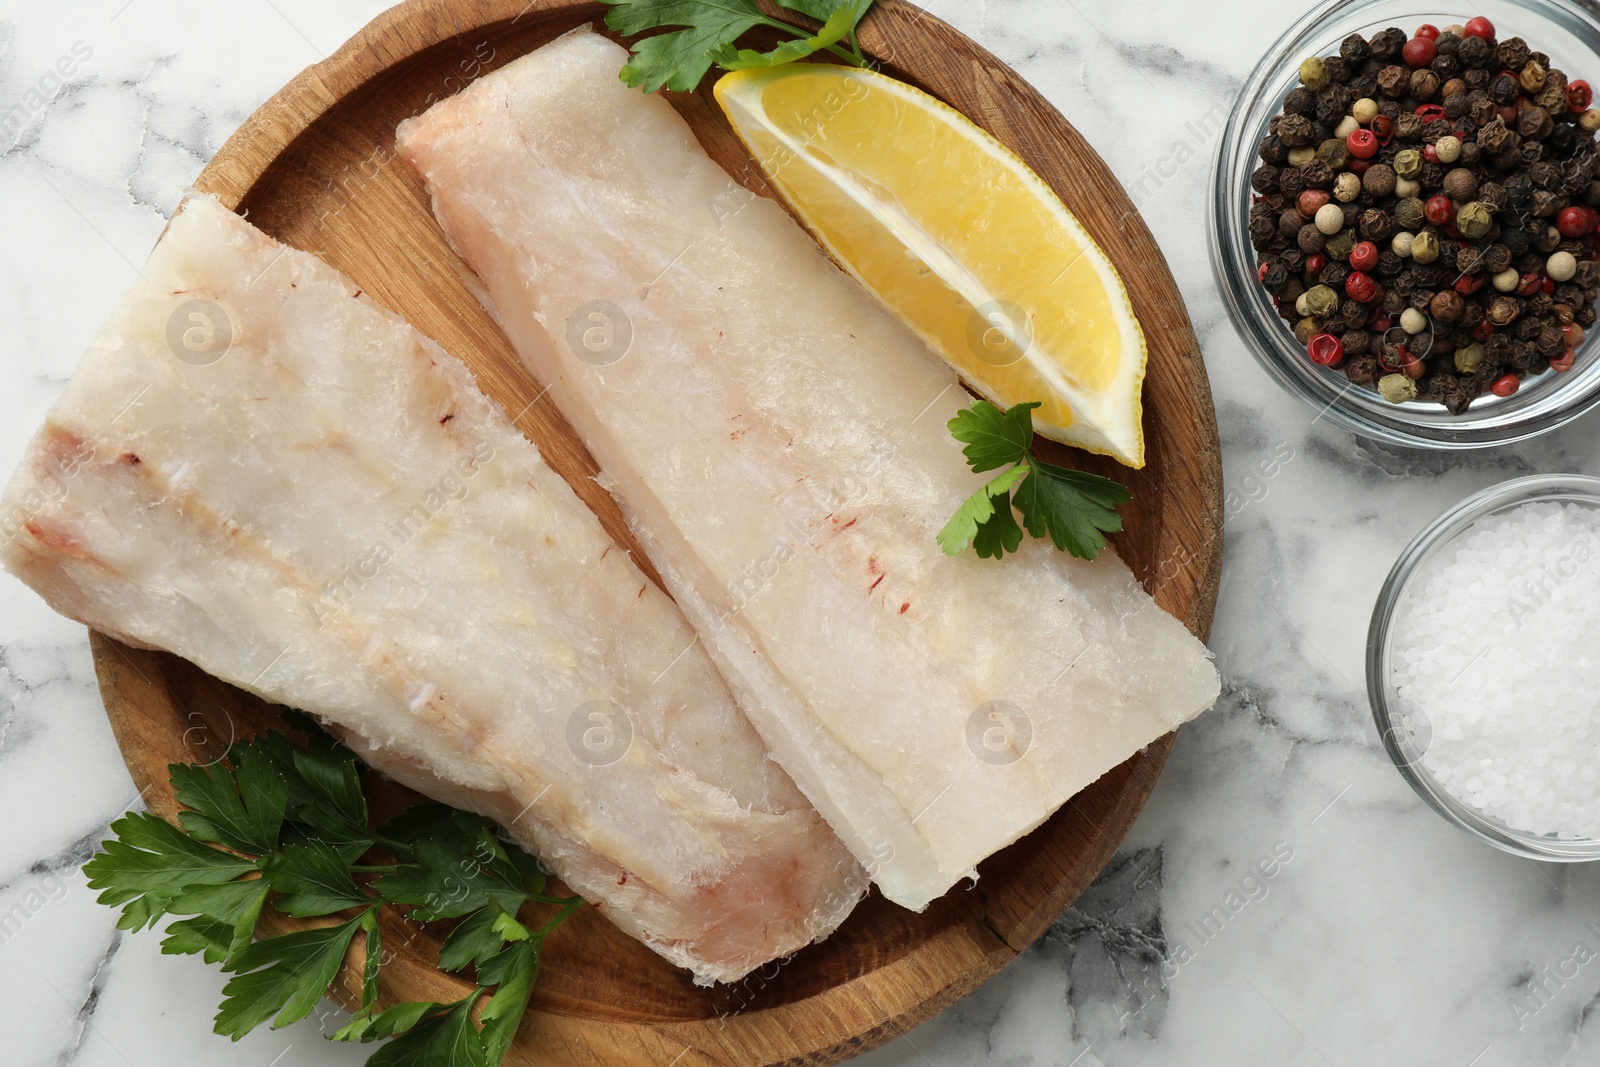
779,443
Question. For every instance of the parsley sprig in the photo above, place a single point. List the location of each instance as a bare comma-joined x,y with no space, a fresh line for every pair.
1072,508
289,828
708,32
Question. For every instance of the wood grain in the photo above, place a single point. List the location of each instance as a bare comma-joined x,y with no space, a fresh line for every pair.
316,167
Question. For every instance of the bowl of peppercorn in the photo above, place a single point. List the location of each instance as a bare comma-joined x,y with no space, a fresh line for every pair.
1404,218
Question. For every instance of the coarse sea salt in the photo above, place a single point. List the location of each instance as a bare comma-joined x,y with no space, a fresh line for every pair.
1497,670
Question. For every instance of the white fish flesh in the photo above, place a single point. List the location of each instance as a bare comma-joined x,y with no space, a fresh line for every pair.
261,470
778,441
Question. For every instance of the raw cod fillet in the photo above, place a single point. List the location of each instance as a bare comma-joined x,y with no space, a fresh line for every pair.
778,441
333,517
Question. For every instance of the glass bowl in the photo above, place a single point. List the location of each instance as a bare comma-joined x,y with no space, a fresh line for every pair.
1405,733
1569,30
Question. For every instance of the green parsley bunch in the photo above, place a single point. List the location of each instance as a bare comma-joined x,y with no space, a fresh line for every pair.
289,828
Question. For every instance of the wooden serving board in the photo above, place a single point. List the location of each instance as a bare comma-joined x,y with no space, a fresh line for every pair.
316,167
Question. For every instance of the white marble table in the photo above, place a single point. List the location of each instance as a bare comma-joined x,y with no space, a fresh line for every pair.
1383,936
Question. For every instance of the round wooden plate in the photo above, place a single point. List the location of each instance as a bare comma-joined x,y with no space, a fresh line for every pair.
316,167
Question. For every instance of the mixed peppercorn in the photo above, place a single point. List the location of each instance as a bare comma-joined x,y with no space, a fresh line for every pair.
1425,213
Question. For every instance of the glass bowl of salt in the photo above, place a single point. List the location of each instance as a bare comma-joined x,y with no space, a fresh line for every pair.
1484,670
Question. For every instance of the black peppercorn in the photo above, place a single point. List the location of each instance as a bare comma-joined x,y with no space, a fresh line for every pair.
1265,179
1354,50
1513,54
1535,122
1316,173
1394,82
1445,66
1295,131
1475,52
1300,101
1376,225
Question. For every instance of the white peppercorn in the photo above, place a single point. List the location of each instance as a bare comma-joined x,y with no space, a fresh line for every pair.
1561,266
1506,280
1413,321
1401,245
1330,219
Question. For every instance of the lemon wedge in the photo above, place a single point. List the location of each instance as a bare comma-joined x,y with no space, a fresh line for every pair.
957,237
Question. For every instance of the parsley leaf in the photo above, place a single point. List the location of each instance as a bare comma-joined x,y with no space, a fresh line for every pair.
1073,509
241,807
150,863
980,511
313,880
519,968
834,29
709,29
448,1041
225,917
282,978
1000,534
994,438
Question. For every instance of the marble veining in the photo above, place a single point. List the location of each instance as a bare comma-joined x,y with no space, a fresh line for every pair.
1380,936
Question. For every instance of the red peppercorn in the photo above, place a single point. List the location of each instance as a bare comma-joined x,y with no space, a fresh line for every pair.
1397,363
1379,322
1419,52
1412,367
1563,363
1480,27
1429,112
1530,284
1315,263
1573,334
1440,210
1359,166
1325,350
1364,256
1509,114
1430,153
1575,222
1505,385
1548,286
1363,144
1483,331
1468,284
1360,287
1428,32
1313,200
1261,273
1579,96
1383,127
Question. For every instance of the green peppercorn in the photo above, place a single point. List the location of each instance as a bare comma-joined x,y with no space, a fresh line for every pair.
1306,329
1425,247
1321,301
1397,388
1468,358
1475,220
1339,245
1408,163
1411,214
1314,74
1334,153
